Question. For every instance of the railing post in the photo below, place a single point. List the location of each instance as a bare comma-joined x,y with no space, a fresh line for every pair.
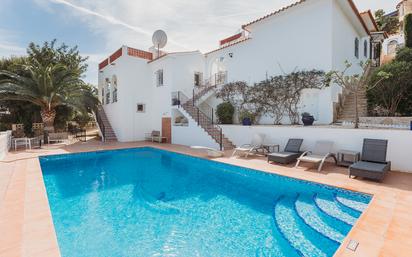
198,120
212,116
221,140
193,97
178,99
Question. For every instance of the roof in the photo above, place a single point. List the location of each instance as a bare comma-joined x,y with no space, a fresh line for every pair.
399,4
130,52
368,14
352,5
229,45
172,53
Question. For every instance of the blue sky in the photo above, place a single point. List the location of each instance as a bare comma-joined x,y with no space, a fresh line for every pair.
99,27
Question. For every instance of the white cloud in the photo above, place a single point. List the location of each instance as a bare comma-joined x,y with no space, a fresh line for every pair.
189,24
8,47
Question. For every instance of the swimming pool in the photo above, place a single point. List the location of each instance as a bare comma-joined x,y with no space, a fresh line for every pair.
151,202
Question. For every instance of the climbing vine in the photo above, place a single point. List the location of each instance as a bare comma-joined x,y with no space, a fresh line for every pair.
275,97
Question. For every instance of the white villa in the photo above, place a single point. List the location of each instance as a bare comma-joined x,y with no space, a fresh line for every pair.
143,91
393,42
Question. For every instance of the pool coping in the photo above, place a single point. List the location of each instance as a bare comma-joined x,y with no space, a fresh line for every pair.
26,209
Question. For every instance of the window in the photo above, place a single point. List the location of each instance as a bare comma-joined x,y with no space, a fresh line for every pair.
141,108
108,93
392,46
365,49
114,95
356,47
198,79
159,78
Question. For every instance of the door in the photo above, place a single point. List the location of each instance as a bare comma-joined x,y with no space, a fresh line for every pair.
167,129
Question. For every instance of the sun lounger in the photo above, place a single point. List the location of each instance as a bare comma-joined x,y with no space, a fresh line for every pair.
210,151
319,155
373,164
254,146
290,153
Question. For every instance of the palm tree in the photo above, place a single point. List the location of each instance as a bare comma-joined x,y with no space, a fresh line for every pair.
47,86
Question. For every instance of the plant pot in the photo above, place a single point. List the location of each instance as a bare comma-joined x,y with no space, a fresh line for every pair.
175,102
308,120
247,122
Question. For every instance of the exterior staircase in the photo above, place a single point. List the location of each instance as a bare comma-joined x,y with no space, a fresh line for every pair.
204,118
347,110
106,129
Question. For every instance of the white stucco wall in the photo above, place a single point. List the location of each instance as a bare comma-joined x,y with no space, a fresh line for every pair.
313,35
5,143
399,145
134,87
178,72
192,135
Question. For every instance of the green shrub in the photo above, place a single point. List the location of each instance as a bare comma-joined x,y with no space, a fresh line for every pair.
404,55
394,94
224,112
408,30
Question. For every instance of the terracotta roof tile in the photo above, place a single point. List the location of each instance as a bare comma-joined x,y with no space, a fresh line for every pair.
229,45
274,13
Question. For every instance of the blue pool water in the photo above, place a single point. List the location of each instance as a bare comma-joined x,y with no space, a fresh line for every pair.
150,202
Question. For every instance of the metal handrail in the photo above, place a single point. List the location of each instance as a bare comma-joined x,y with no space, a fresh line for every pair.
100,122
182,100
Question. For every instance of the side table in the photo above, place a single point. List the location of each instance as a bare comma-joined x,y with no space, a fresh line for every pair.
347,158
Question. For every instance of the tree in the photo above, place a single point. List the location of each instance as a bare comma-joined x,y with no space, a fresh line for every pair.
354,83
404,55
394,94
389,24
49,77
408,30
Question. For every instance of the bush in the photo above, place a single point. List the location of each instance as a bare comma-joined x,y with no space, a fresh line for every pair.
224,112
408,30
404,55
394,93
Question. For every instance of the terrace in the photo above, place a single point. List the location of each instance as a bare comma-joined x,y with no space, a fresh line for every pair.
25,215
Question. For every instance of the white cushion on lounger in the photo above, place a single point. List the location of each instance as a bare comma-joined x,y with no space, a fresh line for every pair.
312,158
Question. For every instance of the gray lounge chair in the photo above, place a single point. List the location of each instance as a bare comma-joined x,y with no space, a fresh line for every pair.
318,156
373,164
290,153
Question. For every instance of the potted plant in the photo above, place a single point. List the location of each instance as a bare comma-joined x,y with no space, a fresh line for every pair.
175,102
307,119
246,118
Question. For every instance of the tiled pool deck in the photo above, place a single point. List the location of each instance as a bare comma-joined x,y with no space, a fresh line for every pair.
26,227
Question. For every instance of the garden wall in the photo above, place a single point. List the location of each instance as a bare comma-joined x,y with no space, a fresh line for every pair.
399,148
5,143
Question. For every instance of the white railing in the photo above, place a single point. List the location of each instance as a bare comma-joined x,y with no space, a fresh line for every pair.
381,122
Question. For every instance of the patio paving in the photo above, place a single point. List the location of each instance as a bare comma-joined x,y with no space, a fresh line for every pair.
26,227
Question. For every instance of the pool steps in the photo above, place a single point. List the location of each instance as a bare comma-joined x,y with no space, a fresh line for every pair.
315,224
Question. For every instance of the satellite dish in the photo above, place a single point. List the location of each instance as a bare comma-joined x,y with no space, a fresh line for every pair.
159,39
